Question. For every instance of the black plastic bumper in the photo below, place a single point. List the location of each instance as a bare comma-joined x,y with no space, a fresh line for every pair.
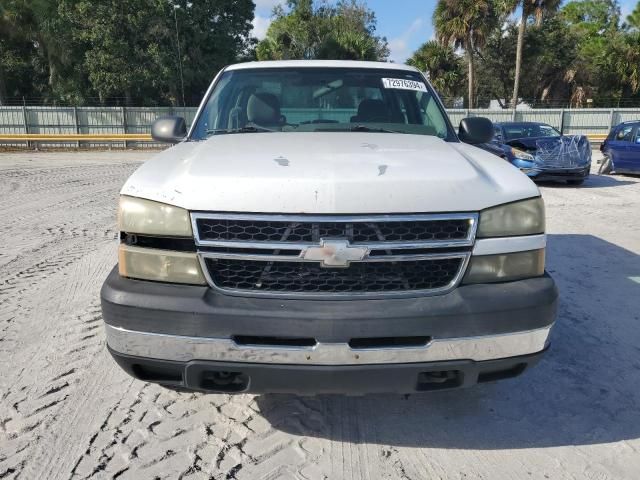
467,311
569,174
191,311
224,377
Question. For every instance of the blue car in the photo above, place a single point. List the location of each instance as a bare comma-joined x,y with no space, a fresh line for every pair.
622,148
543,153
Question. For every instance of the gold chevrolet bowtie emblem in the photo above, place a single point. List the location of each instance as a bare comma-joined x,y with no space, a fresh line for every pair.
335,253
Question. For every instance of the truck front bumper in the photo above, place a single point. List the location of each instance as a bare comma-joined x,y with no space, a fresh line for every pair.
200,339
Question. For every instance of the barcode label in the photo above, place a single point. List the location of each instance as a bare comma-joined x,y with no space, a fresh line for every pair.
402,84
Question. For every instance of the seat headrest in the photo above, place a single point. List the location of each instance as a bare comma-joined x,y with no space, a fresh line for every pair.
373,110
263,109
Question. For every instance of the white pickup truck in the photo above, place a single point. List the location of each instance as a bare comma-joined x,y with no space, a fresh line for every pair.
321,228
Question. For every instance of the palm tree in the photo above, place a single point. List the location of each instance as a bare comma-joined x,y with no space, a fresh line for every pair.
464,24
627,64
536,8
442,65
633,20
348,45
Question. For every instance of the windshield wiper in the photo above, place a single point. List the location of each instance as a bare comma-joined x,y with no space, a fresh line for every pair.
364,128
245,129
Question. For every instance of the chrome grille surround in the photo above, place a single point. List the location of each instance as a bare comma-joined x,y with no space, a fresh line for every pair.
305,252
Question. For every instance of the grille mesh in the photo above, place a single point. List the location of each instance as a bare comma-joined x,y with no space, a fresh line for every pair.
312,232
295,277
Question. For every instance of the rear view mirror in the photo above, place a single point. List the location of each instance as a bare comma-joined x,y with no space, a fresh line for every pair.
474,130
169,129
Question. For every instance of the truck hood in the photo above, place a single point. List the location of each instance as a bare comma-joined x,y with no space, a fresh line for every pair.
328,172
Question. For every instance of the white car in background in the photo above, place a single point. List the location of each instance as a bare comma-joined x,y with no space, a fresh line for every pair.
323,229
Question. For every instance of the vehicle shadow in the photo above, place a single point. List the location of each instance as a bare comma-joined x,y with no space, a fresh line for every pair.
594,181
585,391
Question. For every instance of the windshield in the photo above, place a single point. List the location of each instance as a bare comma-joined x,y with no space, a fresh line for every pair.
529,130
322,100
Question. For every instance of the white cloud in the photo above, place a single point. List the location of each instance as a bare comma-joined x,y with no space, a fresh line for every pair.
262,18
267,4
260,26
399,46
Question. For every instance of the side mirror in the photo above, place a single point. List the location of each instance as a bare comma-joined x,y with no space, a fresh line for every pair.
169,129
474,130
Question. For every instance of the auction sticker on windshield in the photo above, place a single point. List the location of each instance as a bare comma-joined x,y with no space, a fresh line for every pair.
403,84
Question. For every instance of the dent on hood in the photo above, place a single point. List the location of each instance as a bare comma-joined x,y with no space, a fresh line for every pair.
283,162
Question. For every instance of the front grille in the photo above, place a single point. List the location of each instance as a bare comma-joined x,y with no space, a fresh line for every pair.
303,277
333,255
212,229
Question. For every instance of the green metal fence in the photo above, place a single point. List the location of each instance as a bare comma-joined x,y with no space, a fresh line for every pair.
138,120
585,121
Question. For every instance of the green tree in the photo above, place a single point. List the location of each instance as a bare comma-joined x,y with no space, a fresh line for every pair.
464,24
16,72
495,66
550,54
633,19
581,53
528,8
595,26
123,44
131,48
214,33
304,30
625,56
39,24
348,45
443,67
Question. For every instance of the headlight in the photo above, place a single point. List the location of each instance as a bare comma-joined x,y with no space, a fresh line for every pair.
522,155
156,222
159,265
519,218
145,217
506,267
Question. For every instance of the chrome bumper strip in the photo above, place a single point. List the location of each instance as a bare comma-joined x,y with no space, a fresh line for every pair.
184,349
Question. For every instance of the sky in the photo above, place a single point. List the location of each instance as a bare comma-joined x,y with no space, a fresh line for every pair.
405,23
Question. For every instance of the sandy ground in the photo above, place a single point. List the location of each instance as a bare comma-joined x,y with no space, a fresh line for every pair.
67,411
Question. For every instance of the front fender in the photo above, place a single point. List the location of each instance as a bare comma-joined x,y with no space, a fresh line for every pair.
518,162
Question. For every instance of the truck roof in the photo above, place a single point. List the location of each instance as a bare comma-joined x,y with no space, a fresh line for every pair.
322,64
